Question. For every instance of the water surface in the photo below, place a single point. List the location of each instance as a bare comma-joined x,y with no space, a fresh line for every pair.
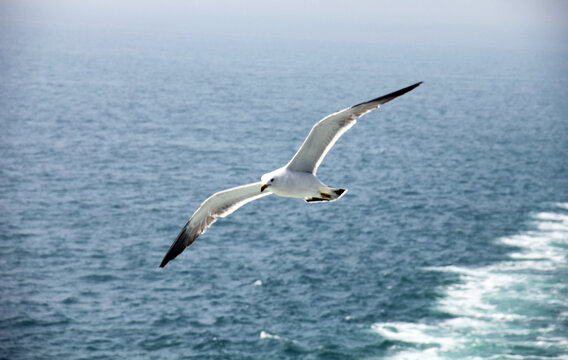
451,242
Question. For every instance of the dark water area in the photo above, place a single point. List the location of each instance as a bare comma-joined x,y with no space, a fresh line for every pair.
450,244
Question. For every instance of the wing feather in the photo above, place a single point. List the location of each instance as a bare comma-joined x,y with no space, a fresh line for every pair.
220,204
325,132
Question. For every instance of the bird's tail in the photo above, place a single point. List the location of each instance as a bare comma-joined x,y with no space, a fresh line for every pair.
327,193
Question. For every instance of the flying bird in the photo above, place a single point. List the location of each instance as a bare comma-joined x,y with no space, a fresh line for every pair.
297,179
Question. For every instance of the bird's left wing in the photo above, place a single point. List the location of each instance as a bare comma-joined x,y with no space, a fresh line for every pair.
326,132
217,205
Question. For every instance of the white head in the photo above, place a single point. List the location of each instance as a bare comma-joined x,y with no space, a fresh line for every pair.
269,179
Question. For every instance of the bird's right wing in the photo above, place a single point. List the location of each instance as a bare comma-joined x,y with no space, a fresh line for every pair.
326,132
217,205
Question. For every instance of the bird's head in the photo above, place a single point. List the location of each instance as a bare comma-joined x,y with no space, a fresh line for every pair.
267,180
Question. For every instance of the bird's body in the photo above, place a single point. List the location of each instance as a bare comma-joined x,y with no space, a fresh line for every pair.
297,179
294,184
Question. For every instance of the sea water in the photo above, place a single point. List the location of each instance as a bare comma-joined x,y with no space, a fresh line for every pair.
451,243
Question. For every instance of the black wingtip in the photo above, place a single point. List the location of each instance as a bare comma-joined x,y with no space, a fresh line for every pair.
169,256
166,259
172,253
388,97
177,247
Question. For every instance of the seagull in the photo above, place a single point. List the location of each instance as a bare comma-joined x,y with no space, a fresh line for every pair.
297,179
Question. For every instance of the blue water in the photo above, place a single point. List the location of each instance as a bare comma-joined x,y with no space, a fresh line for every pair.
451,243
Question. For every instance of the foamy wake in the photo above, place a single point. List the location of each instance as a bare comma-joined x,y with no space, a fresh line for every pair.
504,311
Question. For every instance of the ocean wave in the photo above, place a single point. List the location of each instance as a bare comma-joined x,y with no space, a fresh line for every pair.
266,335
508,310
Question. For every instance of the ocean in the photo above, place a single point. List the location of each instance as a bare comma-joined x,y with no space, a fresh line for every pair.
451,243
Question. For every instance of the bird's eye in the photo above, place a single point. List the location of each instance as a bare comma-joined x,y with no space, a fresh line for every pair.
272,180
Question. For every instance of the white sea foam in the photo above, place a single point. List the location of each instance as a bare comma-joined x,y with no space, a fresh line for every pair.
412,332
562,205
552,216
494,306
267,335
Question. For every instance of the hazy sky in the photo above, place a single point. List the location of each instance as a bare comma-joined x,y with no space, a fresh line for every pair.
509,21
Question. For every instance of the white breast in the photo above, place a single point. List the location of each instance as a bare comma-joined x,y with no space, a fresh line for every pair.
296,184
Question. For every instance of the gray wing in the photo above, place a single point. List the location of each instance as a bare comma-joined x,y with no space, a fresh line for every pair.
326,132
217,205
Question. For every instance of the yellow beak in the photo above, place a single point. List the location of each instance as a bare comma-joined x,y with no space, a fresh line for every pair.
263,187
